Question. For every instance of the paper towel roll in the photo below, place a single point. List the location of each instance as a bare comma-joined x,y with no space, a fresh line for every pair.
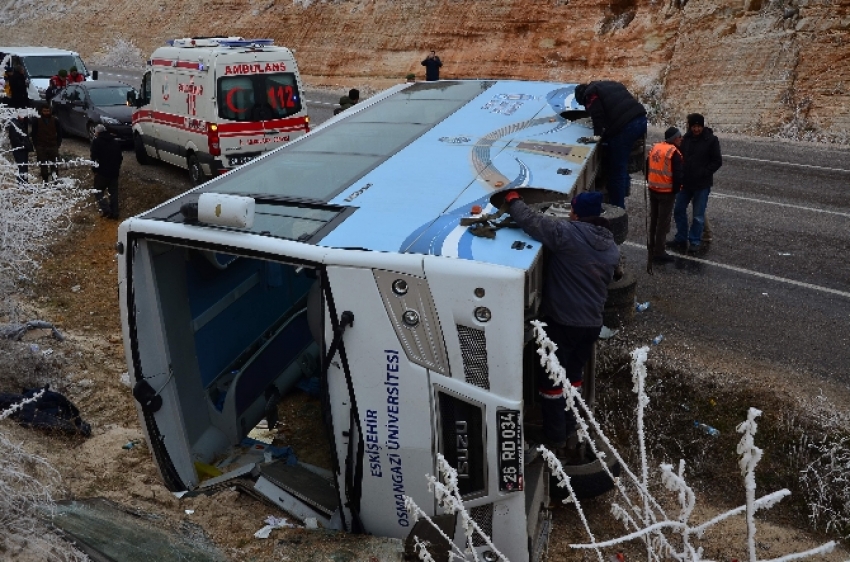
226,210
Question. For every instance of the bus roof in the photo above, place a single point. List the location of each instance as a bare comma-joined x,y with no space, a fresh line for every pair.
397,173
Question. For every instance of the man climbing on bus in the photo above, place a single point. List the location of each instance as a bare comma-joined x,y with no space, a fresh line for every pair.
583,256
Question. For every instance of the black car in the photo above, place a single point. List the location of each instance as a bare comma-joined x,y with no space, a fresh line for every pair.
81,107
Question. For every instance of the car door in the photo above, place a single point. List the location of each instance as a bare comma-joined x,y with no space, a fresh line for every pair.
77,106
60,109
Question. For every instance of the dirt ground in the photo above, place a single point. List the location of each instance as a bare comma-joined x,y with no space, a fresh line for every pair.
77,291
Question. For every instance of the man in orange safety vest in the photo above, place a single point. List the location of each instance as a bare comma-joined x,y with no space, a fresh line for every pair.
664,177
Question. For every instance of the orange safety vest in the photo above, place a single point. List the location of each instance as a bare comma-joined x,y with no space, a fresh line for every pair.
660,172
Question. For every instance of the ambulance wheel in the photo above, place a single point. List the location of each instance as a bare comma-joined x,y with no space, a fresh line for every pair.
141,154
619,221
196,173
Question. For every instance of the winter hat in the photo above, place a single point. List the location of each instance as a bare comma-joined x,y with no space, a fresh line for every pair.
588,204
63,73
579,93
672,134
72,69
354,94
696,119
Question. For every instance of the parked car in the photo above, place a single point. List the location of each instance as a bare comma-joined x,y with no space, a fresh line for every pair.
81,107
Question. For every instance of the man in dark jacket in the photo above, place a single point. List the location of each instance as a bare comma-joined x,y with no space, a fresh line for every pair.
432,64
348,101
18,84
46,133
701,151
106,151
18,130
583,256
618,121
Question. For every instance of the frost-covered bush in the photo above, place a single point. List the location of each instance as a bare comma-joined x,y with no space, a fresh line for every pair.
32,214
649,90
27,487
667,535
121,53
827,483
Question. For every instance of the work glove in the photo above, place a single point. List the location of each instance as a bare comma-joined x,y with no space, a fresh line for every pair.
512,196
589,140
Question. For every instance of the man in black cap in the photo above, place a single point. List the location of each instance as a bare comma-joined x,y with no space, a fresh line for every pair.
618,121
664,176
583,256
701,151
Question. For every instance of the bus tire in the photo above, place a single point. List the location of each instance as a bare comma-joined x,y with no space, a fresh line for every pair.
588,480
139,148
196,173
619,221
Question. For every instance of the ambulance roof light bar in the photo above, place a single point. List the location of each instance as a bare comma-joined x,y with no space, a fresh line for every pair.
219,42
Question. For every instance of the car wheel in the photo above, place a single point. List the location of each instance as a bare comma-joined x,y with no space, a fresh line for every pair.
139,147
619,221
90,129
196,173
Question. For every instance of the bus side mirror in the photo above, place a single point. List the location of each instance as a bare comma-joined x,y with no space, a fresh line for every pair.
94,74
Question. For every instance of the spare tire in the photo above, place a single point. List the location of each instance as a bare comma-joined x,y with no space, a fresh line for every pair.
620,305
619,221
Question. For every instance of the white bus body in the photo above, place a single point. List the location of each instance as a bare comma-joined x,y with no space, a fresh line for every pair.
352,265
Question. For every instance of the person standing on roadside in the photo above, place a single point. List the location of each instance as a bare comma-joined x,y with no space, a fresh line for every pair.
46,133
664,177
432,64
348,101
618,121
583,257
107,153
18,84
701,151
18,130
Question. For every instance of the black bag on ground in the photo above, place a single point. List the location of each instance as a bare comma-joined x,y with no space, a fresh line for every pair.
50,411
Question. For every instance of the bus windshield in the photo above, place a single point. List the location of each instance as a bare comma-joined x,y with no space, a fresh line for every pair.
258,97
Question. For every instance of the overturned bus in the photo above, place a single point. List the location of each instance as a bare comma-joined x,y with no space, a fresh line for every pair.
366,256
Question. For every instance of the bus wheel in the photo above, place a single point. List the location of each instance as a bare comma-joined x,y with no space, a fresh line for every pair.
196,173
139,147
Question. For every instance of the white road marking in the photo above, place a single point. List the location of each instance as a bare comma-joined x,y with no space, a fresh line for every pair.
777,203
809,166
642,183
753,273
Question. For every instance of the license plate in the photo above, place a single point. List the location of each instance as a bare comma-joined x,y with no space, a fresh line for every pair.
509,445
239,160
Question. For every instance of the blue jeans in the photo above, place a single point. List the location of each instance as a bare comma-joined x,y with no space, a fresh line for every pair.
680,213
619,148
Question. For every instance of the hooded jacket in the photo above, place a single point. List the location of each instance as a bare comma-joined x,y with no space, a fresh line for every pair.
583,256
702,159
611,107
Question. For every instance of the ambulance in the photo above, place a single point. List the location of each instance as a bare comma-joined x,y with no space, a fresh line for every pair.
210,105
366,261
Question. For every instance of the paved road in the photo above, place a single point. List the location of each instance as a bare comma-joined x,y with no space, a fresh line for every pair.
775,282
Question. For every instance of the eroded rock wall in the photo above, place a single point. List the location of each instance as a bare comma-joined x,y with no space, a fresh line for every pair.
748,65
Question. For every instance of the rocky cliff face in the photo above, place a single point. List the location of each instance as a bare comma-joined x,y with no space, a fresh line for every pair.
764,66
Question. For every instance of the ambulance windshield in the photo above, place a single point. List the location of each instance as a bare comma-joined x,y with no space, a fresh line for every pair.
258,97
